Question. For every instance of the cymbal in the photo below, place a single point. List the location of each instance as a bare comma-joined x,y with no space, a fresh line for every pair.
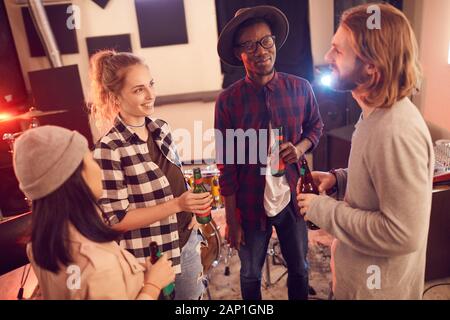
33,113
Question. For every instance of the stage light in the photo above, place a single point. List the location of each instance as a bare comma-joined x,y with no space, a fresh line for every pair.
4,116
326,80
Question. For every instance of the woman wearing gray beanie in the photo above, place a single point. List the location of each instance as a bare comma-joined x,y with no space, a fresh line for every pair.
72,251
145,193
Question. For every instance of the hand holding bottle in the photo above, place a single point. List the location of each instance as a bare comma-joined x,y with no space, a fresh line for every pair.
168,291
289,153
159,274
324,180
197,203
304,201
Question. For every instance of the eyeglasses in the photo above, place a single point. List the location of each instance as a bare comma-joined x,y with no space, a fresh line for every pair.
266,42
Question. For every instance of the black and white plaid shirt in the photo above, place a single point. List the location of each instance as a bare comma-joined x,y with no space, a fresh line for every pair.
132,180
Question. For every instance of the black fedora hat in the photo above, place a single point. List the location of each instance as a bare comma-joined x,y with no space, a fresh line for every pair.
277,21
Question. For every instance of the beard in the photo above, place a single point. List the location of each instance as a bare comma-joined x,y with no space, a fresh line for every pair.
263,70
350,81
266,72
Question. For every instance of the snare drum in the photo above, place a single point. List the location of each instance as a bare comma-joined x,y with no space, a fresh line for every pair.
210,246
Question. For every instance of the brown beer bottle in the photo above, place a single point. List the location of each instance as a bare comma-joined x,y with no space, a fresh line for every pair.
168,292
191,181
306,185
278,167
215,192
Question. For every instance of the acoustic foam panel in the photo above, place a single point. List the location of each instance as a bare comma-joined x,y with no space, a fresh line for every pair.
60,88
12,86
161,22
101,3
120,43
66,38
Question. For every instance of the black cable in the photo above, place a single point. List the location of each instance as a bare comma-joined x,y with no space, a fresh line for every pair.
23,281
316,298
436,285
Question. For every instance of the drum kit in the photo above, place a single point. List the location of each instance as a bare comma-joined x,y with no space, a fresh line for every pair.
213,233
13,201
32,116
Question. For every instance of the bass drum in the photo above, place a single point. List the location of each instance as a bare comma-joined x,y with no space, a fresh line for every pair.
210,245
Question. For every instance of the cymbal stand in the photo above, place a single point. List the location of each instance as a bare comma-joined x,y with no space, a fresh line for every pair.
10,138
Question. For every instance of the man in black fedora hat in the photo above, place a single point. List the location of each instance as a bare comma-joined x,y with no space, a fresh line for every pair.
256,199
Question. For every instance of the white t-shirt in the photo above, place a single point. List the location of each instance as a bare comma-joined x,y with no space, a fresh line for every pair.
277,193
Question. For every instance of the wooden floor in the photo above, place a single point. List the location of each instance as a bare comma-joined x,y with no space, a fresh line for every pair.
274,275
273,282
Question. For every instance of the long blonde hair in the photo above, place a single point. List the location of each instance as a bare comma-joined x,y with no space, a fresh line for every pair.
107,74
392,50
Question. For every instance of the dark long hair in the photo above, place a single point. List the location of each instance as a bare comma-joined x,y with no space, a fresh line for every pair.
74,203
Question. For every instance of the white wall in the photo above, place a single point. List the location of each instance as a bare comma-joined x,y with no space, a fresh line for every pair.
184,68
413,11
434,50
195,118
321,19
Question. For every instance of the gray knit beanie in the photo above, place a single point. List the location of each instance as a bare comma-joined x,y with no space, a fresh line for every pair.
45,157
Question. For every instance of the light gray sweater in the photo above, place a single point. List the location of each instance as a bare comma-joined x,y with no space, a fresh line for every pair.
382,223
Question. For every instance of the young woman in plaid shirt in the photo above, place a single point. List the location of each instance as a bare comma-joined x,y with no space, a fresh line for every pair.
145,195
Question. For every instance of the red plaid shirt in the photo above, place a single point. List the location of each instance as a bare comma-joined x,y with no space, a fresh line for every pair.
286,101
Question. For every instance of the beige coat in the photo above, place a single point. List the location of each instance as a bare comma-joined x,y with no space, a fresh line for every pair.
107,272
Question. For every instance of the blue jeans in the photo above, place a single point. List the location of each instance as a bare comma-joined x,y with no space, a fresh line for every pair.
189,284
293,238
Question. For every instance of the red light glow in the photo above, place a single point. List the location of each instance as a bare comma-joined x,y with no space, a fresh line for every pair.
5,116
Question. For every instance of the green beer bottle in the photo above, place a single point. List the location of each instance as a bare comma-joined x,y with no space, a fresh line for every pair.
168,292
199,187
278,167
